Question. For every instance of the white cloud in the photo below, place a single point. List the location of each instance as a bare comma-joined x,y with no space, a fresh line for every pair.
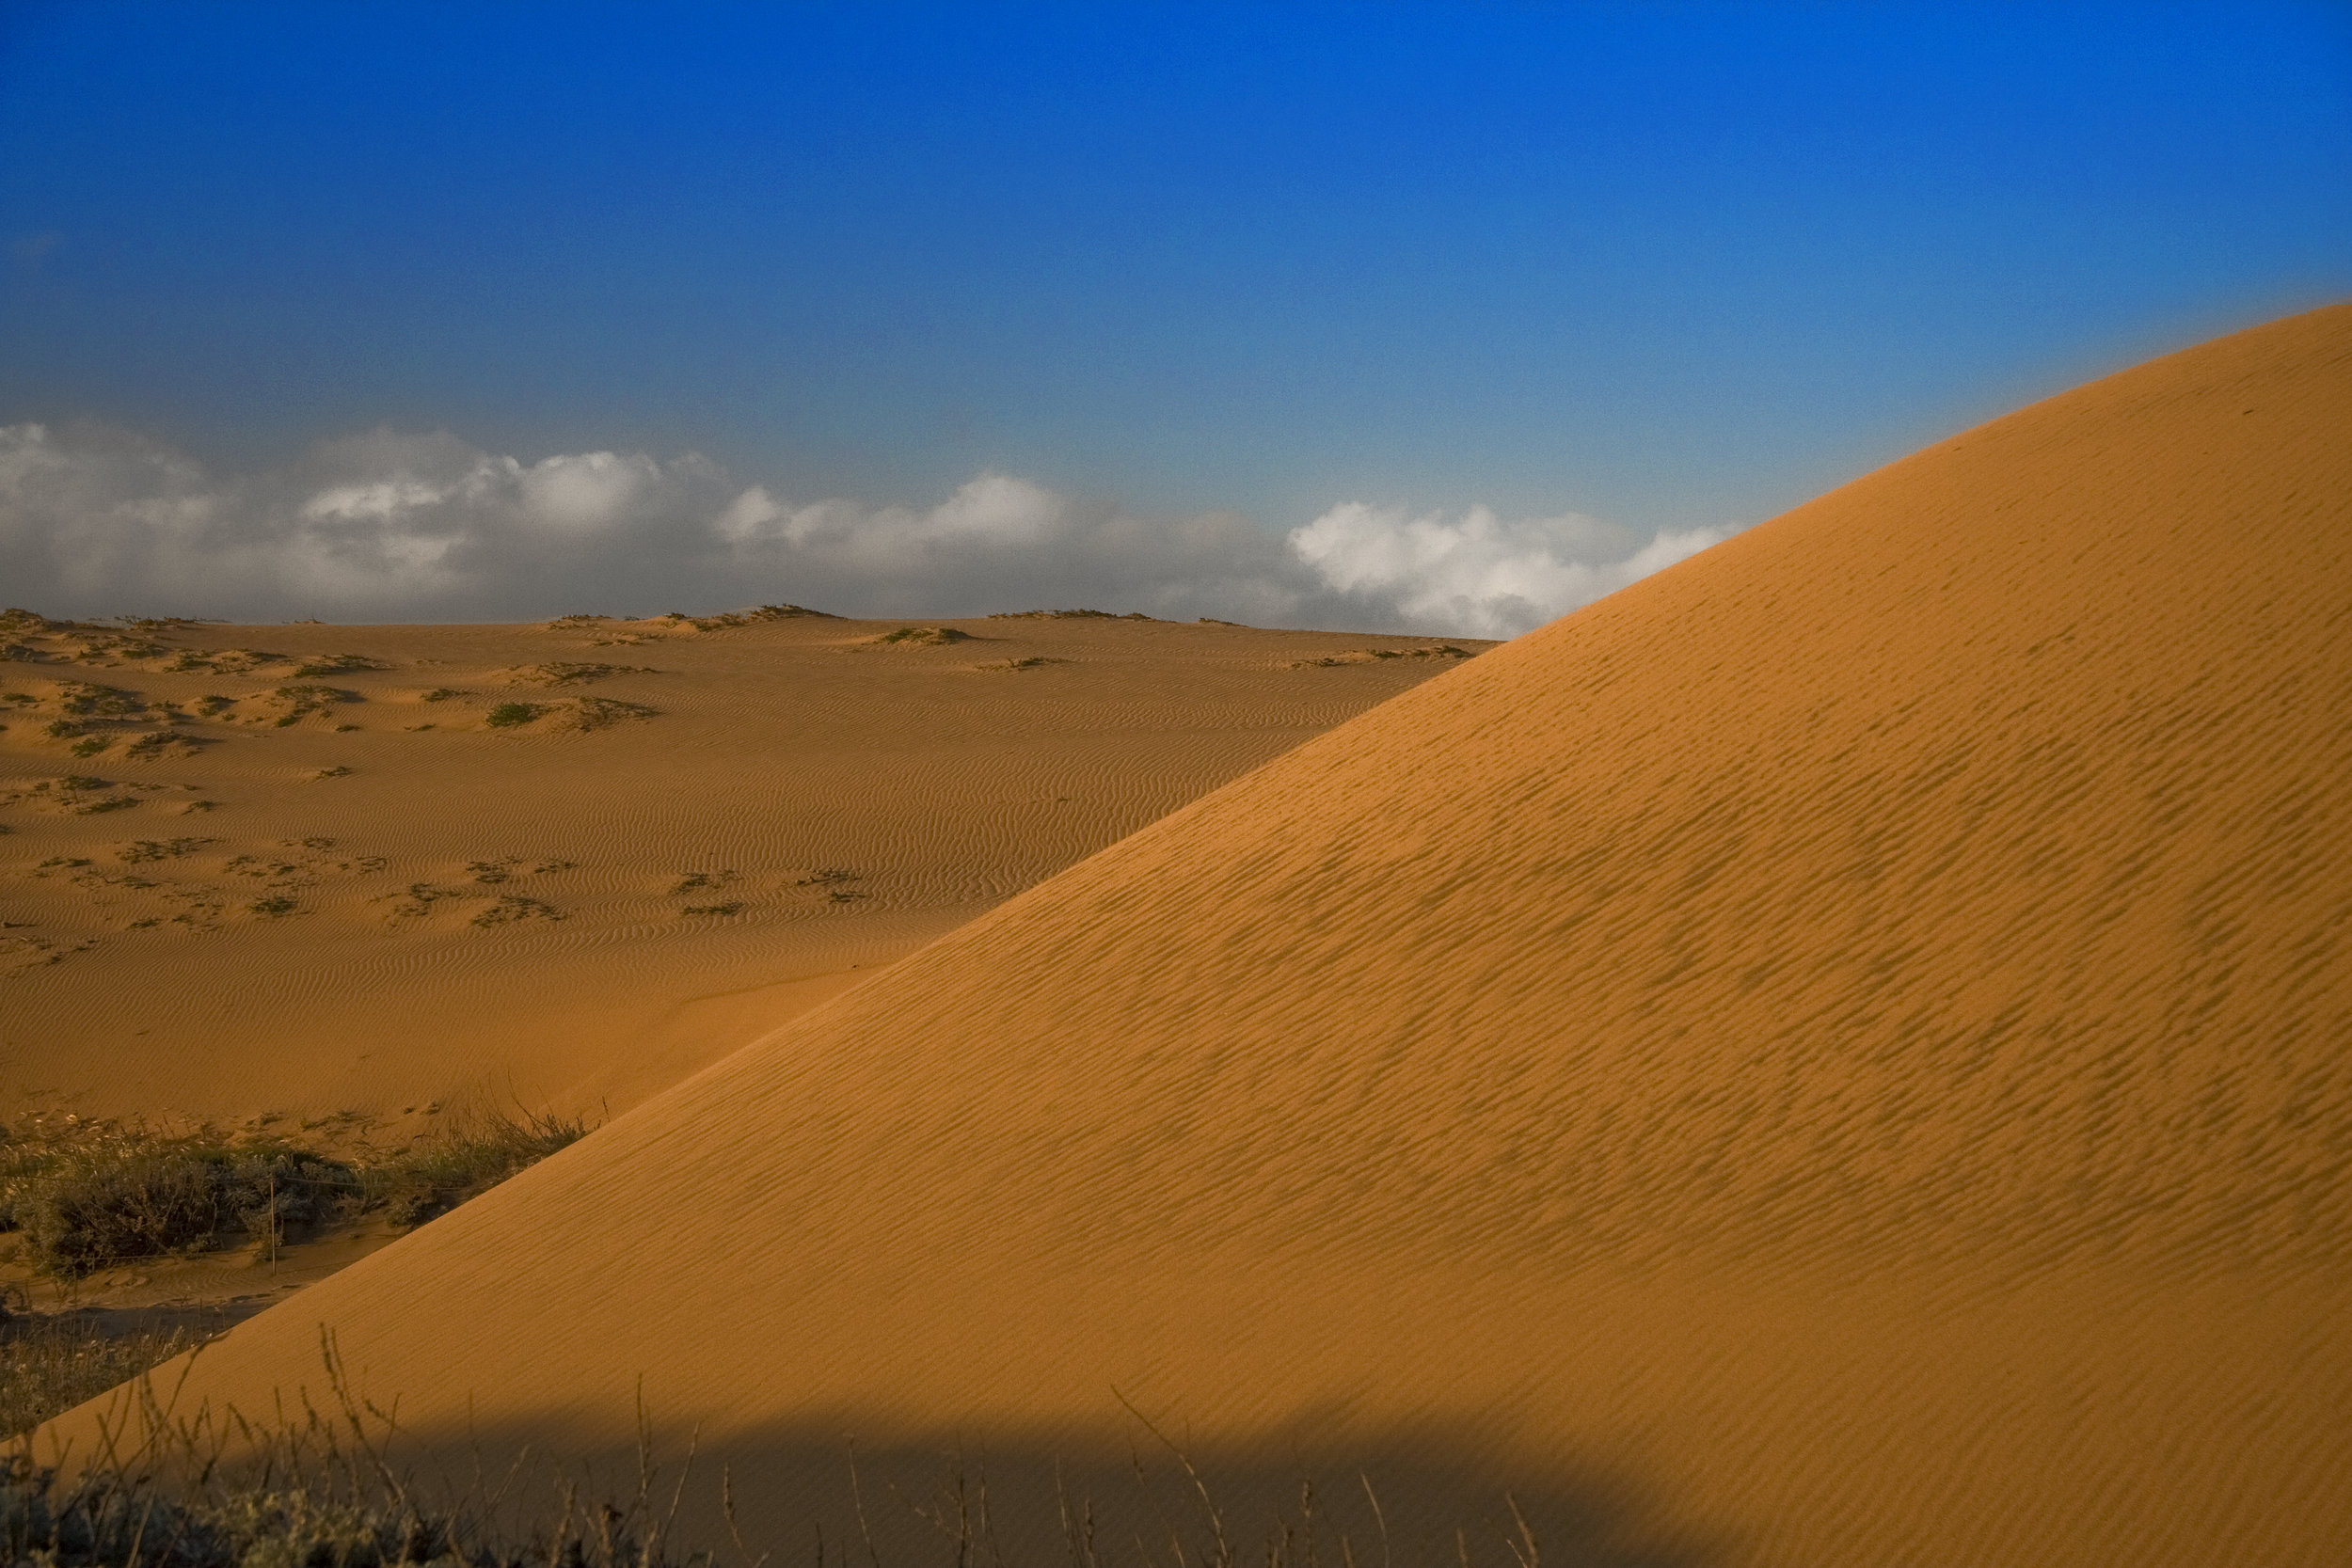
384,525
1481,576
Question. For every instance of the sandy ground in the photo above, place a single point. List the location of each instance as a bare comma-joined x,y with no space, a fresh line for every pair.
295,868
1833,1055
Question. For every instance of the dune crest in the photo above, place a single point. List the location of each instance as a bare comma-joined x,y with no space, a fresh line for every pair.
1846,1033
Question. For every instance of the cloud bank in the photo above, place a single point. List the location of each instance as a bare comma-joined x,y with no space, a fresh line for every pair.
389,527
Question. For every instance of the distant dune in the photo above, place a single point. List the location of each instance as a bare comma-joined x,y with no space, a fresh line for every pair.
1835,1054
315,869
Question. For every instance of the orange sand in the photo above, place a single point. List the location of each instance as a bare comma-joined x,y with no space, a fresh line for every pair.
475,912
1844,1040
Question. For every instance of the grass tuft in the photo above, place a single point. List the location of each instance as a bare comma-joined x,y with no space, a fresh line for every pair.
51,1363
472,1154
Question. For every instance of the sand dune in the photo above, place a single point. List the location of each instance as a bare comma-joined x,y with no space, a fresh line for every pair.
318,868
1840,1047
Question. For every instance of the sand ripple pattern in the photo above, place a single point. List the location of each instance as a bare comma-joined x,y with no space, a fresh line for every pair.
1850,1030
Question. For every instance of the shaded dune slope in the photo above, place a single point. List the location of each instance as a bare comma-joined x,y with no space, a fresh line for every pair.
1848,1035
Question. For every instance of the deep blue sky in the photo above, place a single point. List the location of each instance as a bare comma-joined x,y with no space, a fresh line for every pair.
1668,265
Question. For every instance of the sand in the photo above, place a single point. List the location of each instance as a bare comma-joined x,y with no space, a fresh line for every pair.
388,903
1833,1054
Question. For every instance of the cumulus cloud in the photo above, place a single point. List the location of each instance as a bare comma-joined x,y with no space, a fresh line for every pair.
397,527
1481,576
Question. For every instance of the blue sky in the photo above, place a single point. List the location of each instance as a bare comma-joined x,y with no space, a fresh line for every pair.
1670,266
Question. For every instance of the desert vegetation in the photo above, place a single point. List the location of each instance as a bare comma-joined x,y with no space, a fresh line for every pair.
1374,656
52,1361
1070,615
1029,662
325,1483
578,714
573,673
81,1195
920,637
339,664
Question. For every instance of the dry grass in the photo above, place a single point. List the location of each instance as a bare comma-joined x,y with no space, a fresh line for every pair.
327,1488
51,1363
316,1490
88,1196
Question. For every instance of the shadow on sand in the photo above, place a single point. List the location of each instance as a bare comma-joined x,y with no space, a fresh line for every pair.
820,1495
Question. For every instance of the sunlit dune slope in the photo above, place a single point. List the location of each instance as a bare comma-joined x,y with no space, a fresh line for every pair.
1847,1036
314,868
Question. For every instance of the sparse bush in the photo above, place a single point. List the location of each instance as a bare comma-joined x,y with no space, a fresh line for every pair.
140,852
597,713
339,664
922,636
514,907
572,672
86,1196
104,1193
304,700
160,742
101,701
471,1154
1371,655
733,618
1072,615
